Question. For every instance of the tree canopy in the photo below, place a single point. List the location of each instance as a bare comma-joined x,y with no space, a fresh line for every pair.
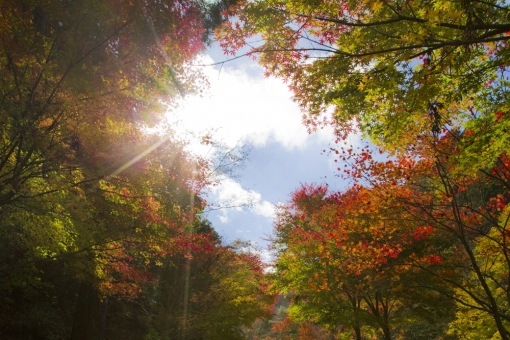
427,82
101,231
395,68
95,212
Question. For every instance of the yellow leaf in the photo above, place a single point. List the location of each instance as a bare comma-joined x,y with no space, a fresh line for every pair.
376,6
434,17
456,14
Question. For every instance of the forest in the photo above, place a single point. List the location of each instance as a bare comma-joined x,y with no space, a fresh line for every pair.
102,231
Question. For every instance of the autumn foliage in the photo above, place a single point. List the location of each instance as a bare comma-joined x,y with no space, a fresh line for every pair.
95,210
406,233
101,235
415,245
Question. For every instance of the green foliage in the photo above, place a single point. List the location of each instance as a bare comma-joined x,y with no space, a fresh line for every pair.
345,261
93,209
474,323
211,294
428,82
388,67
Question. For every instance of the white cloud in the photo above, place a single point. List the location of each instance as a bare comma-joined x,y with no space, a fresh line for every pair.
265,254
224,218
231,195
265,209
242,105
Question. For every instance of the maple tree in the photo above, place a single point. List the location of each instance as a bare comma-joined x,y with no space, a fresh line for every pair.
470,207
443,229
91,205
209,290
288,329
105,235
78,79
428,82
476,323
386,66
79,83
345,262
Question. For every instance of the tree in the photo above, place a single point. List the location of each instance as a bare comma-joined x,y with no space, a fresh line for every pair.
393,67
99,239
79,80
466,207
475,323
426,81
208,292
346,261
418,223
87,198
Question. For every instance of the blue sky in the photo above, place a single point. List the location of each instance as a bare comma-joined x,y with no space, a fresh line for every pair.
243,107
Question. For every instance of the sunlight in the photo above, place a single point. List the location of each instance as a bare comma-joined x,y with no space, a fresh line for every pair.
242,105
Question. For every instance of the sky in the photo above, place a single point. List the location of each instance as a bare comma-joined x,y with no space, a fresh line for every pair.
244,108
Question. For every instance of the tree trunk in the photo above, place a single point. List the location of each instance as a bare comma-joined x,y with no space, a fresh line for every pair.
357,330
88,317
386,332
